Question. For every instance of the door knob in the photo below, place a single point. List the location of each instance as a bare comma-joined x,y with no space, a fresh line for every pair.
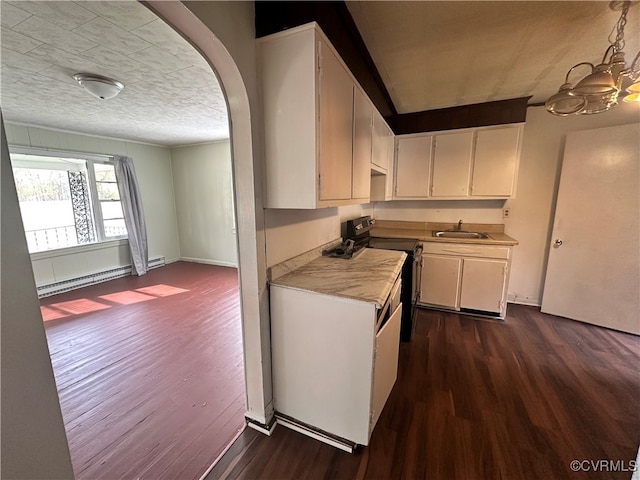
557,243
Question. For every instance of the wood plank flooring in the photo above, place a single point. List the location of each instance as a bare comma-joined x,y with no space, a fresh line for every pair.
480,399
149,371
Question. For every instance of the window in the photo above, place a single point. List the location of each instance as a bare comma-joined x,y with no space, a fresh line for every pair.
67,199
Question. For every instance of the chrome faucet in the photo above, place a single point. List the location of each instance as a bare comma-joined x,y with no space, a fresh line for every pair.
459,227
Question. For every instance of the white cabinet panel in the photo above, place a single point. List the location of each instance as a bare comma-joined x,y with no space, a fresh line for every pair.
483,284
385,369
323,364
452,164
474,163
381,138
440,283
413,165
336,127
308,102
466,277
362,133
495,162
331,370
382,159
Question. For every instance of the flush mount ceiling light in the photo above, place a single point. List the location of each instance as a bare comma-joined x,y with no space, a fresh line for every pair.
99,86
598,91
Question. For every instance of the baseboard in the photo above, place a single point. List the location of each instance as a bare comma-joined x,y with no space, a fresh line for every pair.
266,429
533,302
209,262
316,434
92,278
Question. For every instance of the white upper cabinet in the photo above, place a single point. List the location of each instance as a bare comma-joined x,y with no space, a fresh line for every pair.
362,139
452,157
473,163
336,126
496,161
382,139
382,153
413,166
317,122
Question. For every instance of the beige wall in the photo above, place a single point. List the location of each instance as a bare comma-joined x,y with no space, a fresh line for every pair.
153,169
203,186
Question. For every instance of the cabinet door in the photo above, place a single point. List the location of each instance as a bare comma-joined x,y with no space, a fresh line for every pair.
413,163
483,284
380,150
385,364
336,127
362,135
495,163
440,283
452,165
391,146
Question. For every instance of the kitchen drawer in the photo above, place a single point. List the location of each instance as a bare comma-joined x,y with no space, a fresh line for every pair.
467,250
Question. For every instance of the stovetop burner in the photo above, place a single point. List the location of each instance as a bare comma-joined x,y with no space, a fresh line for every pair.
346,250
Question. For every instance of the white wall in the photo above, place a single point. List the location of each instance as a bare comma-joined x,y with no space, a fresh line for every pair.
203,185
532,210
153,169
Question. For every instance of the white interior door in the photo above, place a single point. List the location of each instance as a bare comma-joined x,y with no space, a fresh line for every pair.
593,272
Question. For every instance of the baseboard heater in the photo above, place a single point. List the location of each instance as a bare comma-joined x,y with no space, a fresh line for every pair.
91,279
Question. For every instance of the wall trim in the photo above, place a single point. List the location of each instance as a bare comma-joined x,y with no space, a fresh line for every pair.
208,262
532,302
91,279
75,132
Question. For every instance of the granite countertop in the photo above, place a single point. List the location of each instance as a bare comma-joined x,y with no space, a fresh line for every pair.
423,231
368,276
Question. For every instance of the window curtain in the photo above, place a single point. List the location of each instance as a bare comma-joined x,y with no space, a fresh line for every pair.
133,214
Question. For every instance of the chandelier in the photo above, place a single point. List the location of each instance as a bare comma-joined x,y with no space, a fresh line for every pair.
599,90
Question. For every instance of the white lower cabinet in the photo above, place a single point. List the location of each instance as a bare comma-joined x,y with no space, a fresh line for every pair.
441,280
483,284
466,277
333,365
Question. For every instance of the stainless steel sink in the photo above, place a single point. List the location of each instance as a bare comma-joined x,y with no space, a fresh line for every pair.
459,234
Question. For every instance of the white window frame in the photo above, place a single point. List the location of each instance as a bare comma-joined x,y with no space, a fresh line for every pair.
96,210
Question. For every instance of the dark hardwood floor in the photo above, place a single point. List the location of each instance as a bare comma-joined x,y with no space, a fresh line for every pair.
149,371
481,399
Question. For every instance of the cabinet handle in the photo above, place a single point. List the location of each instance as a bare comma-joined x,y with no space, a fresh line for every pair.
557,243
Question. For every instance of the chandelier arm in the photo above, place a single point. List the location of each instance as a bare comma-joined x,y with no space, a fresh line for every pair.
611,48
566,79
634,68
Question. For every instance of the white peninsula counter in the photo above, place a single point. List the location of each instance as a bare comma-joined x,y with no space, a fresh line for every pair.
335,326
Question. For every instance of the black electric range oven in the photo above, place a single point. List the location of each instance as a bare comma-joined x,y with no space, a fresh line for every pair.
358,236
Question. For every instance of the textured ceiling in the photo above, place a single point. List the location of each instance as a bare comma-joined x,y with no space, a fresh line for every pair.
440,54
429,54
171,96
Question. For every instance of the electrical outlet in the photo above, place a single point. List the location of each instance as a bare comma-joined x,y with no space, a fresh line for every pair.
506,212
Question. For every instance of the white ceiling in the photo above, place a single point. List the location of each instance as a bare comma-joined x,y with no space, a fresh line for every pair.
445,53
171,96
429,54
